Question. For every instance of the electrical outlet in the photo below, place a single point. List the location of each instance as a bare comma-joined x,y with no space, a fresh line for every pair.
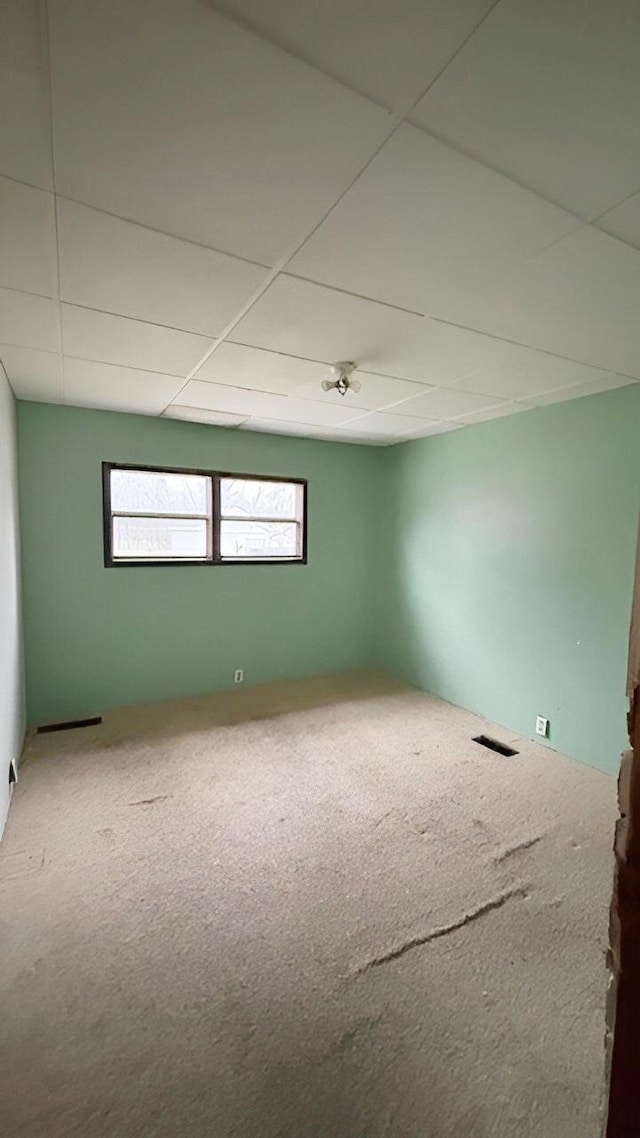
238,676
542,726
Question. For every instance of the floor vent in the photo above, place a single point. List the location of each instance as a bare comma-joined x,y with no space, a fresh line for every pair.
71,725
494,745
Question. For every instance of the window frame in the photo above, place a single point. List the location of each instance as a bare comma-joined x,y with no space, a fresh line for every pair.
214,557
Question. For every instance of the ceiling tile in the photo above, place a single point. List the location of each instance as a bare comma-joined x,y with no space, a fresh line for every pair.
124,268
379,391
302,430
549,93
606,383
528,374
239,401
317,323
312,321
407,44
437,429
623,221
578,299
238,365
385,423
32,374
130,343
182,120
27,239
201,415
441,353
29,321
25,136
441,403
108,387
424,225
494,413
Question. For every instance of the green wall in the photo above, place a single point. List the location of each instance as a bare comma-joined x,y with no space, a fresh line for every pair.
508,581
492,566
97,638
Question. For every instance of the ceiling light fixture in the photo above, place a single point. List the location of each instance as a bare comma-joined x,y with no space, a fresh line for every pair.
343,381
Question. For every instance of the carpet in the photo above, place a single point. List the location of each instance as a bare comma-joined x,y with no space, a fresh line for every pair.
315,909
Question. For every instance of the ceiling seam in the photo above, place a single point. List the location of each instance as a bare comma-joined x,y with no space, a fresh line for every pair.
139,320
28,292
245,25
160,232
610,209
356,295
323,363
28,185
529,347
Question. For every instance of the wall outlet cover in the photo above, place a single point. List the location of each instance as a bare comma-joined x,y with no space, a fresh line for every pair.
542,726
238,676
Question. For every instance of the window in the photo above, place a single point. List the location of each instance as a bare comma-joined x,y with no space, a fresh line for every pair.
165,517
261,520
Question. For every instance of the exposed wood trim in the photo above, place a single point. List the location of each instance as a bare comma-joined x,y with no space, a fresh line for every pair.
623,1052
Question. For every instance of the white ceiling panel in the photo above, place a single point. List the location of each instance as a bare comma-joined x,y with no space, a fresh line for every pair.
623,221
317,323
29,321
32,374
437,428
302,430
388,425
25,136
578,299
530,373
425,225
90,384
201,415
174,116
27,239
239,401
407,43
126,269
549,94
377,391
606,383
238,365
130,343
441,403
500,412
441,353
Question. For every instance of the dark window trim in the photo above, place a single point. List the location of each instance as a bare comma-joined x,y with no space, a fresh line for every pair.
215,475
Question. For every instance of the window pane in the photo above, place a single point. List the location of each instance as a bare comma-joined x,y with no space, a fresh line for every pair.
252,498
149,492
259,539
159,539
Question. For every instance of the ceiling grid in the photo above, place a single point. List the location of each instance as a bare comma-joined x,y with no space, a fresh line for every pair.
206,205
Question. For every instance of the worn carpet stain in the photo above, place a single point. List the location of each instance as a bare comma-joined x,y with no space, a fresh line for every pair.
517,847
444,930
150,801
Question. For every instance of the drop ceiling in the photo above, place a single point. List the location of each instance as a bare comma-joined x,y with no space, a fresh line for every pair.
203,205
